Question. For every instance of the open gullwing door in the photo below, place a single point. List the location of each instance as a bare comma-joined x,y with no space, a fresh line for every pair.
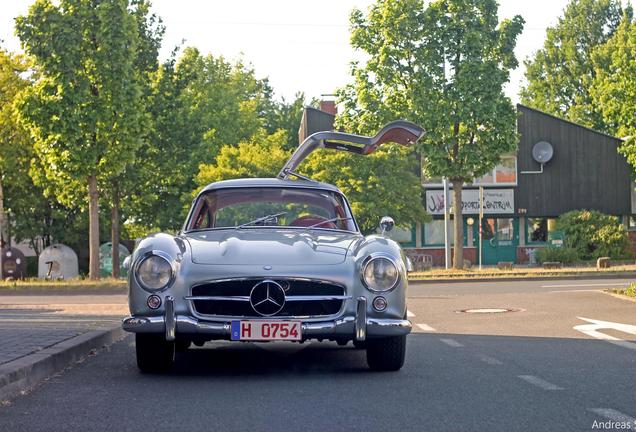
400,132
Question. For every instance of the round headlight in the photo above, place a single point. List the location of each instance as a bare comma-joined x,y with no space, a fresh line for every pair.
380,274
154,272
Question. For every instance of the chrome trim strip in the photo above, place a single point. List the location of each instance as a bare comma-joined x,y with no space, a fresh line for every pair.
287,298
317,298
276,278
361,319
218,298
171,319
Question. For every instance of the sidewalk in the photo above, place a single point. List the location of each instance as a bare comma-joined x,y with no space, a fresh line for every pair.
521,273
40,335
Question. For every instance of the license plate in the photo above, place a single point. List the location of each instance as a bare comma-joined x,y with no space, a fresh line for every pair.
266,330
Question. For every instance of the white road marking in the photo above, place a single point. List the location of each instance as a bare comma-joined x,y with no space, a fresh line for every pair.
452,342
59,321
409,314
611,414
592,330
587,285
541,383
575,291
426,328
489,360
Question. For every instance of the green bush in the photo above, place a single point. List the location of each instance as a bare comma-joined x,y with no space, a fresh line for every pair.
563,255
594,234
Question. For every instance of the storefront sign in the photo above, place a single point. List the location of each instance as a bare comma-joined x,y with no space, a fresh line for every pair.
496,201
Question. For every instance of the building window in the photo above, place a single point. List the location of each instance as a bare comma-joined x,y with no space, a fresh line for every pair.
434,232
537,230
504,173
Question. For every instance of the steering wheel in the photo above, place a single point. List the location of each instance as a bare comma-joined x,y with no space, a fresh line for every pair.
309,220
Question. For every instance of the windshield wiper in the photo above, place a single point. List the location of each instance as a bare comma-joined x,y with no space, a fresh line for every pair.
336,219
260,219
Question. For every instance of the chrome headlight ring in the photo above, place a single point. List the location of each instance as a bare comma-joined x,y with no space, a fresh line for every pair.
149,255
370,259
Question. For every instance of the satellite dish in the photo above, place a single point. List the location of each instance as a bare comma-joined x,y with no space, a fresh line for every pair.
542,152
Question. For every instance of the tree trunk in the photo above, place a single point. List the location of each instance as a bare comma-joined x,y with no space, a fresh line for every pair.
1,227
114,233
458,220
93,228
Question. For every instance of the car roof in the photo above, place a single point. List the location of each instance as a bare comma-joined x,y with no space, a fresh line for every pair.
269,182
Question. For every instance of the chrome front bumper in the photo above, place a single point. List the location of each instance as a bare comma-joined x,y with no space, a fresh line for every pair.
357,328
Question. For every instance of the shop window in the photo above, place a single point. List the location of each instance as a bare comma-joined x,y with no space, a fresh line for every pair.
434,232
505,229
537,230
488,228
402,235
632,223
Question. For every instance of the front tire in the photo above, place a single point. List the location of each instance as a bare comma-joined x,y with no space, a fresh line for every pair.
387,353
154,353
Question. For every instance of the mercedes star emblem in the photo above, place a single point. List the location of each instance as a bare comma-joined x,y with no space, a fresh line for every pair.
267,297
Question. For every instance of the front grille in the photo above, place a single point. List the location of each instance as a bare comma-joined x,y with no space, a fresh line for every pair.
238,291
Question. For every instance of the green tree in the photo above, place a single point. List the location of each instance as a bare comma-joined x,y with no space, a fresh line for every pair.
614,87
284,115
383,183
84,108
120,186
560,75
262,155
443,66
28,215
199,104
13,138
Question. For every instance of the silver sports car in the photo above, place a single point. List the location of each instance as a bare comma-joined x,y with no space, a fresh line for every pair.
273,259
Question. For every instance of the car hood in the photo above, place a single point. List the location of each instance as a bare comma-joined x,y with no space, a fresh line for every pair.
254,246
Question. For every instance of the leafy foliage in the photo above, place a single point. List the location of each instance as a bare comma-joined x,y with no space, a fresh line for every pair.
561,73
614,87
564,255
383,183
262,155
593,234
442,65
199,105
84,107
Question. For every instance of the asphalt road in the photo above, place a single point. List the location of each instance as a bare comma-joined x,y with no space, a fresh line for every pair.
527,370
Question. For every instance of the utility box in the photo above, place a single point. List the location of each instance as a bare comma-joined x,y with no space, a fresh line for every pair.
58,261
14,264
106,260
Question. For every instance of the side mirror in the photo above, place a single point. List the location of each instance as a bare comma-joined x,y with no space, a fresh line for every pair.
386,224
126,263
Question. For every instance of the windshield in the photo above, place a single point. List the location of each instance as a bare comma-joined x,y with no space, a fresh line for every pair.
244,208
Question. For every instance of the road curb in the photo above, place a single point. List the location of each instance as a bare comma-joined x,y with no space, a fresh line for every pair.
25,372
529,278
620,296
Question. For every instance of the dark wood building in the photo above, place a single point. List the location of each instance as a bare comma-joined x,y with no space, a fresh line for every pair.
586,171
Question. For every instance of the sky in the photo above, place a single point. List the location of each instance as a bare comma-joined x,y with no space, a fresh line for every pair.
300,45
